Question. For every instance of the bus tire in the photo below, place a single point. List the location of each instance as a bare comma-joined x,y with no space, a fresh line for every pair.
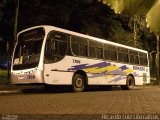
78,83
130,83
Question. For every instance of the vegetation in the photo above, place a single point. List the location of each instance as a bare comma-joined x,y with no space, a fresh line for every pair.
85,16
3,77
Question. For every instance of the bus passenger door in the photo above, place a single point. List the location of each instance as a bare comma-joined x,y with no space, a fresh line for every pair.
49,60
47,73
55,50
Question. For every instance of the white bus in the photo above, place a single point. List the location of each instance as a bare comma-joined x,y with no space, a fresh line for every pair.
55,56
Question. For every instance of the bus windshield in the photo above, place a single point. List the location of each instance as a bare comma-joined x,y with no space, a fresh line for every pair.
28,49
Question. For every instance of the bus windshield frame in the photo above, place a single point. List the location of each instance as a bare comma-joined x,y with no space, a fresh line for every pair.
28,49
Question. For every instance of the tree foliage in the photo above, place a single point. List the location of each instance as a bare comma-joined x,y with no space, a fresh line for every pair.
85,16
6,23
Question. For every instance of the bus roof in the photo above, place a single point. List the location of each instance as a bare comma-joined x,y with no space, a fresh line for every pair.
49,28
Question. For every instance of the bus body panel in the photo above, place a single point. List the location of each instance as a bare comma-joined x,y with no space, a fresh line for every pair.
27,76
55,75
99,72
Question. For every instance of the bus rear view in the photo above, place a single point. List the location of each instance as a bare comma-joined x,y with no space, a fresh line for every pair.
25,62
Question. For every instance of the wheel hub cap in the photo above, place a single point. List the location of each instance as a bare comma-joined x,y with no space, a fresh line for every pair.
79,82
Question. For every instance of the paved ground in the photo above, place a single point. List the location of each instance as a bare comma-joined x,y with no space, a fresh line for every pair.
37,101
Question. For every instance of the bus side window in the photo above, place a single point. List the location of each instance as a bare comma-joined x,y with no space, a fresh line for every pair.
62,48
133,57
132,61
53,46
143,59
79,46
123,55
136,60
95,49
47,48
110,52
83,50
75,48
107,54
92,52
114,55
99,53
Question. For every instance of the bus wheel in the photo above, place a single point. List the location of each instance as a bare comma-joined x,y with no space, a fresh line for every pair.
129,83
78,83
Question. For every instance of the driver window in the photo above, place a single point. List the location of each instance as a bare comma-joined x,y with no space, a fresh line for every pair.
53,47
56,45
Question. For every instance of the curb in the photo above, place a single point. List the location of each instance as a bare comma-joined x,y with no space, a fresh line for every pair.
143,87
9,91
